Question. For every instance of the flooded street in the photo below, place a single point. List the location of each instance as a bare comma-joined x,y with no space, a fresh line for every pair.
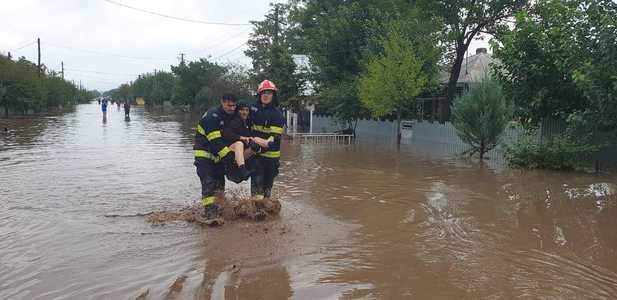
363,221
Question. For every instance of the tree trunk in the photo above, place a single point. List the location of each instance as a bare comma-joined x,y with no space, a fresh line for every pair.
482,150
398,126
451,90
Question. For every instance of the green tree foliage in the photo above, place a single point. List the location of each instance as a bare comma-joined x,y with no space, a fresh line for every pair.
199,84
157,87
270,48
335,37
561,61
463,21
340,37
563,152
123,93
480,116
193,77
596,76
24,90
392,81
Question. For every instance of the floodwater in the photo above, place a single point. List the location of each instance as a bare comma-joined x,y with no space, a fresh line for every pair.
363,221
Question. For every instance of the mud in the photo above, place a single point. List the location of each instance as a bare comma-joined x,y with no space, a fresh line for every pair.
233,209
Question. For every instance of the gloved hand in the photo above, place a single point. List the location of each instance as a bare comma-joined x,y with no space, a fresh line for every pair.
254,147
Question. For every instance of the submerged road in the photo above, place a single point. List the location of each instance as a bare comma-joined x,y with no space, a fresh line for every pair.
362,221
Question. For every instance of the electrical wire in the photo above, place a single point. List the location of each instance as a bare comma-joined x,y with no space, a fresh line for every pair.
97,72
176,18
220,43
24,46
230,51
105,53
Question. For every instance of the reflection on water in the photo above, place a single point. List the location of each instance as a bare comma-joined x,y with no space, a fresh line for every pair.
359,221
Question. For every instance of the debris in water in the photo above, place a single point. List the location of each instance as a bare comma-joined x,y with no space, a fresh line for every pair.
143,294
176,287
233,209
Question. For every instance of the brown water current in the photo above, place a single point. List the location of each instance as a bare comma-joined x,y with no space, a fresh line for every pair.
362,221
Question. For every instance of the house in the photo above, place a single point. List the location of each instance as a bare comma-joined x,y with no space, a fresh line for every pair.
474,67
301,121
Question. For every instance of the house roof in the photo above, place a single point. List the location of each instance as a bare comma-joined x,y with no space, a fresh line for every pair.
473,68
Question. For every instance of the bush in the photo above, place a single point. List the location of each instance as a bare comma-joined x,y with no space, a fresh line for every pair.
480,116
559,153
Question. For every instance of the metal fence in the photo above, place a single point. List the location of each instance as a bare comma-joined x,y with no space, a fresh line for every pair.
442,138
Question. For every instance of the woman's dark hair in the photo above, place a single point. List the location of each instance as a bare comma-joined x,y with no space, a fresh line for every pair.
241,105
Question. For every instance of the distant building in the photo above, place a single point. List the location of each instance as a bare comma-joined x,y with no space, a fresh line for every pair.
140,101
302,121
474,67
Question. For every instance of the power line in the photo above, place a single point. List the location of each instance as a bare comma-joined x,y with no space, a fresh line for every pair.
105,53
231,51
221,42
176,18
24,46
97,72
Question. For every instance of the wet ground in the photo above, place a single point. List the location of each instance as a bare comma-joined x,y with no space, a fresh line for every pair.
363,221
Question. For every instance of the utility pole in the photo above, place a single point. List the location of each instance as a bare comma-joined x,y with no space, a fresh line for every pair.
62,64
38,41
182,58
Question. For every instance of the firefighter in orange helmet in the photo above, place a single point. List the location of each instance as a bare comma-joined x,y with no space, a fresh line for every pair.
267,123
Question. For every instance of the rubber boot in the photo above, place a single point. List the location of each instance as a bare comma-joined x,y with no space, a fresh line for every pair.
211,215
260,208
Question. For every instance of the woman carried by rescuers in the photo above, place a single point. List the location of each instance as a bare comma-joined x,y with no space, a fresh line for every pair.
238,137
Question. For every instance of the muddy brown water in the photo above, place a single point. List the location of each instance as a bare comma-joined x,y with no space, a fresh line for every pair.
363,221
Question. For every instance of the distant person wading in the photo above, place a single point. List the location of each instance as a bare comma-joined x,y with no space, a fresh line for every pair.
127,108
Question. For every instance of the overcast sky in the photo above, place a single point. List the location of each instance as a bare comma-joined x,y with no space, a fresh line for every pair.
104,44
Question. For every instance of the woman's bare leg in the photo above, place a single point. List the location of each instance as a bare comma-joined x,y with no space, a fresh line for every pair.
238,149
248,153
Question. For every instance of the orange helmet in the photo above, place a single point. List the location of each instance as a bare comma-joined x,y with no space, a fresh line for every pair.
266,85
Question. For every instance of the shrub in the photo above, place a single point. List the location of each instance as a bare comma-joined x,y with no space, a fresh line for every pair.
562,152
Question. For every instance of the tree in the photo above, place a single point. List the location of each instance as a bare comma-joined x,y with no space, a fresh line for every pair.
393,80
123,92
24,90
532,67
560,62
155,87
596,75
480,116
270,50
463,21
341,37
193,77
336,35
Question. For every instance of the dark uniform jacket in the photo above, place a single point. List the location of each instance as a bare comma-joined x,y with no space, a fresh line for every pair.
267,122
235,128
209,143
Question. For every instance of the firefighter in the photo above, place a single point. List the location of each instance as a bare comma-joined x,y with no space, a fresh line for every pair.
211,155
267,123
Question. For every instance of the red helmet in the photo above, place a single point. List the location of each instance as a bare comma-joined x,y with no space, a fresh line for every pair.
266,85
